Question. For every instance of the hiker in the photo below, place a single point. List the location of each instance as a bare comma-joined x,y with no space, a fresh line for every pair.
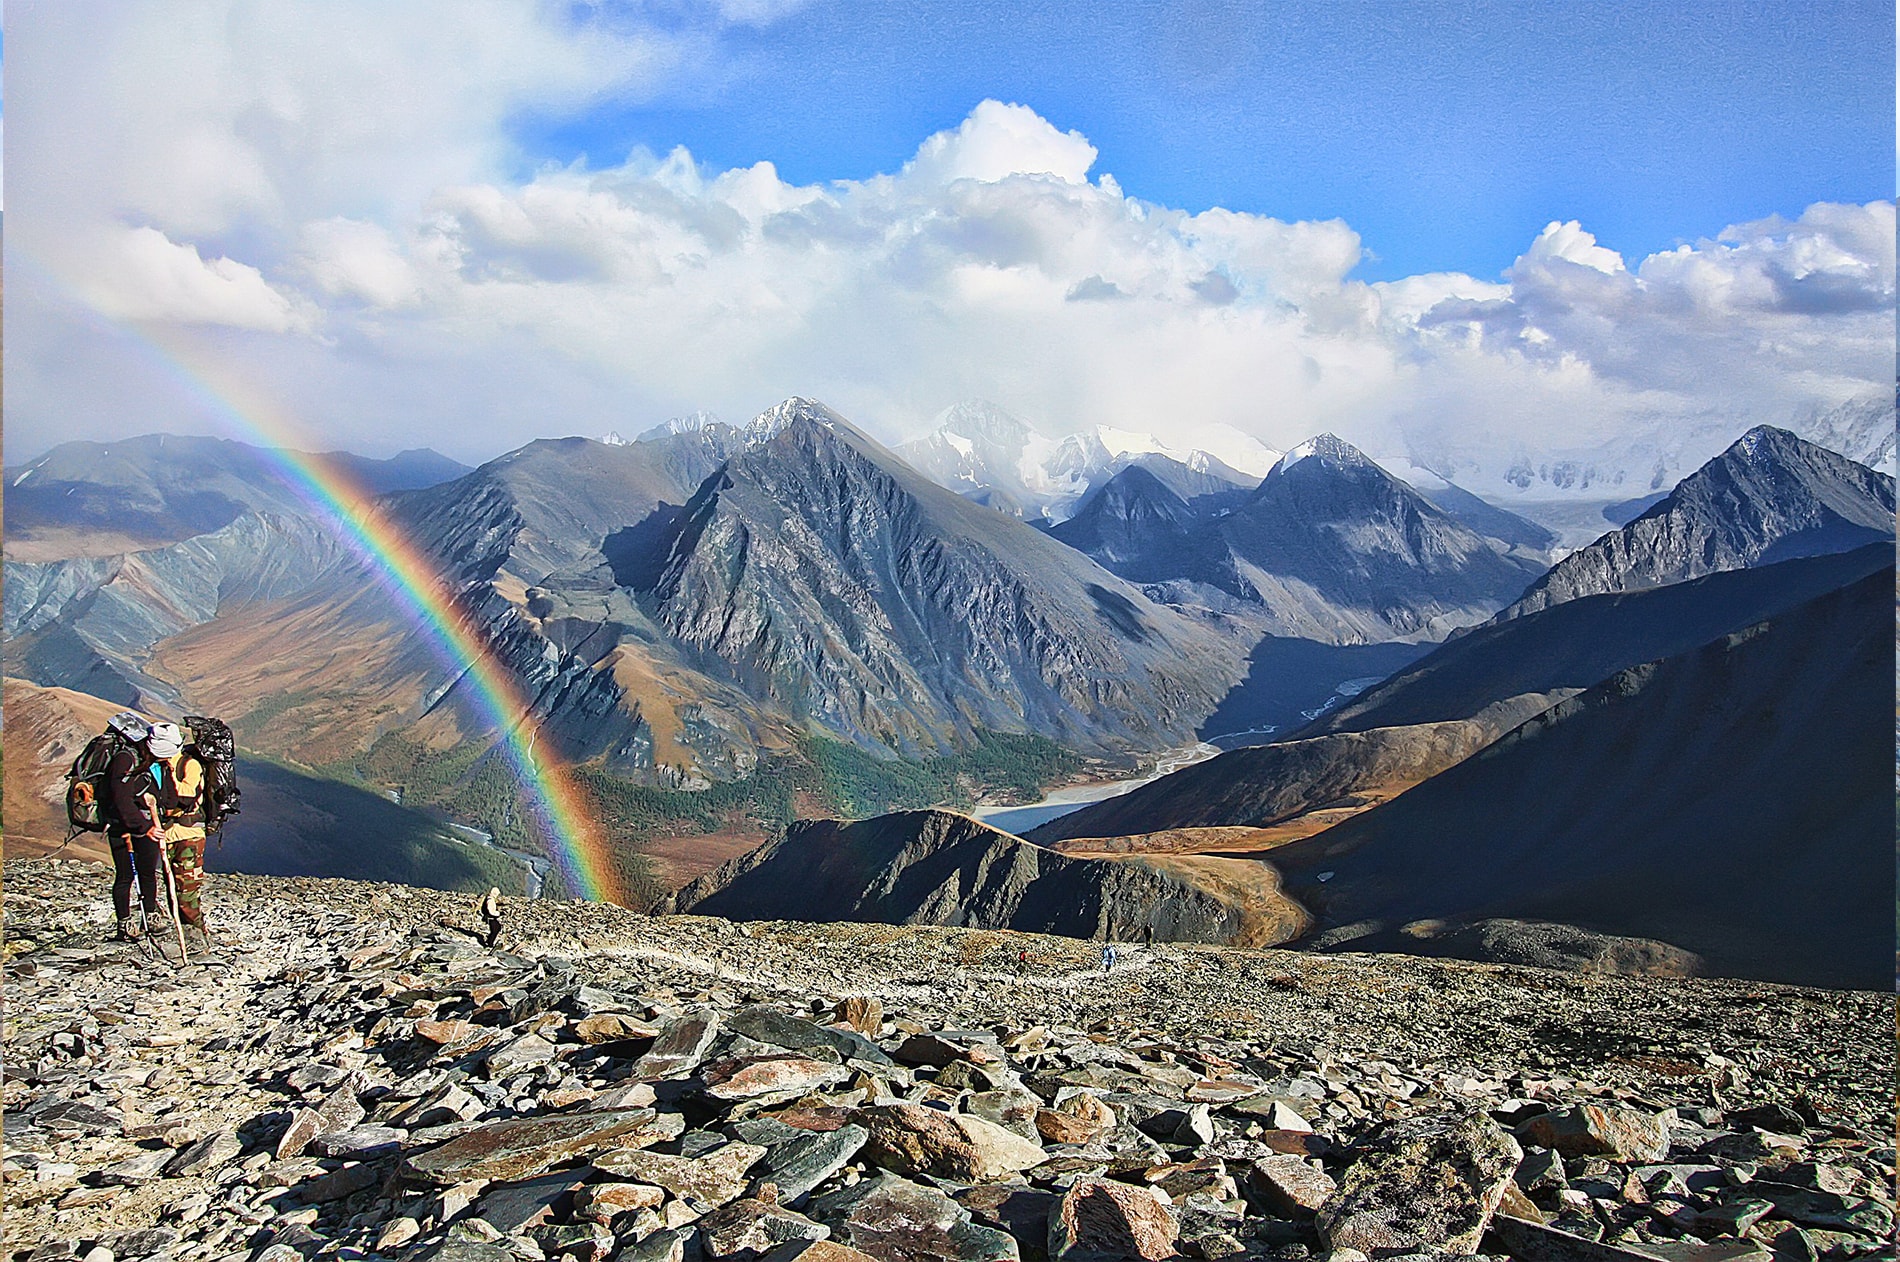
490,911
132,829
1108,956
180,790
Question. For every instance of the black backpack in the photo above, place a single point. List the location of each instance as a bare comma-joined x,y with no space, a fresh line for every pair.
88,803
213,745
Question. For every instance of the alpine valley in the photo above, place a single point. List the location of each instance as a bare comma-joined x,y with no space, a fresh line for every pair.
788,664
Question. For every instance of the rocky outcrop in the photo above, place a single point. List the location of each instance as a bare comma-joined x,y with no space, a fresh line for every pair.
938,867
359,1077
1734,802
1770,497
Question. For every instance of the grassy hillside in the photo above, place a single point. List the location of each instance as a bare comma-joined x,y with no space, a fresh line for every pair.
823,777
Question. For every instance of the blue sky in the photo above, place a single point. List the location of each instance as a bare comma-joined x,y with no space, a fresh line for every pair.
1446,133
1477,234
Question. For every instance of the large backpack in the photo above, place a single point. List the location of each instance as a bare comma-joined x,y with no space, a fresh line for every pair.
88,804
214,746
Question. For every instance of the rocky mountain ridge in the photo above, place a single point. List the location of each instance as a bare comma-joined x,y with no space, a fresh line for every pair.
362,1075
1772,496
939,867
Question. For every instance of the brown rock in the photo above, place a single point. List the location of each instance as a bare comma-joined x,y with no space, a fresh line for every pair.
612,1027
750,1228
442,1033
1221,1091
1594,1130
912,1139
521,1147
1289,1185
817,1251
713,1179
1429,1183
1099,1220
861,1013
743,1077
602,1202
1065,1128
679,1047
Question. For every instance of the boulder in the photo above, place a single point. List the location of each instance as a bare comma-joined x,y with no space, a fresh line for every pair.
913,1139
1099,1220
521,1147
1427,1183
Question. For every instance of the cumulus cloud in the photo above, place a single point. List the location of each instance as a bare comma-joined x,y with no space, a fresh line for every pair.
142,275
361,212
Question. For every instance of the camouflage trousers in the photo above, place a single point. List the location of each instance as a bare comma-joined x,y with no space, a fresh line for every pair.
185,851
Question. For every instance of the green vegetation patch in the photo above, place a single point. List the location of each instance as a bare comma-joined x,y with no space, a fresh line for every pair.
476,785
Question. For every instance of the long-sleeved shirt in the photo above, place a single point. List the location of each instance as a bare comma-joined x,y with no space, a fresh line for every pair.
128,781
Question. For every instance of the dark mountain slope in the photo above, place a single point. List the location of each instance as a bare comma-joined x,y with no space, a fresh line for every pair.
1770,497
1265,785
828,576
1339,550
1734,801
1134,525
1584,641
940,868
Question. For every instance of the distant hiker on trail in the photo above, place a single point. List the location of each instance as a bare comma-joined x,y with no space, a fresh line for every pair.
490,909
180,783
1108,956
132,829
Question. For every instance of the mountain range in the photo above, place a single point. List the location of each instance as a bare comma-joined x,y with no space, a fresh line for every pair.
982,452
1770,496
97,499
729,626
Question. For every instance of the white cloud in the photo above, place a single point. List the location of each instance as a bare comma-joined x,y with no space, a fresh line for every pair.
997,141
343,184
142,275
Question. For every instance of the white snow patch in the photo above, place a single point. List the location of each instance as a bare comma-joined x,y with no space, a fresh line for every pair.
1299,453
612,438
964,447
1123,442
23,477
1416,476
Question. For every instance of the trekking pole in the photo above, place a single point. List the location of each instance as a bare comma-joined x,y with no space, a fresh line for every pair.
178,915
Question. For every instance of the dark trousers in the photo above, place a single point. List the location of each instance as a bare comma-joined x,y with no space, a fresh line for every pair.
133,856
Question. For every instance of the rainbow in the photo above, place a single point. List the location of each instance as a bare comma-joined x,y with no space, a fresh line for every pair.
577,843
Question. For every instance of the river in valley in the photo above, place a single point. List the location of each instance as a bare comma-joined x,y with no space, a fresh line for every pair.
1020,819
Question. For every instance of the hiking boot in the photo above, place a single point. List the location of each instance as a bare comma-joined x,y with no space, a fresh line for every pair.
198,940
128,930
157,924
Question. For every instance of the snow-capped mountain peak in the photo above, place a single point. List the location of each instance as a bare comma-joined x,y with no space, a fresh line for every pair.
612,438
780,417
692,423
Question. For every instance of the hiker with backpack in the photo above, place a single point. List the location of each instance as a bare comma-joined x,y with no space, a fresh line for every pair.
155,797
124,795
180,776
